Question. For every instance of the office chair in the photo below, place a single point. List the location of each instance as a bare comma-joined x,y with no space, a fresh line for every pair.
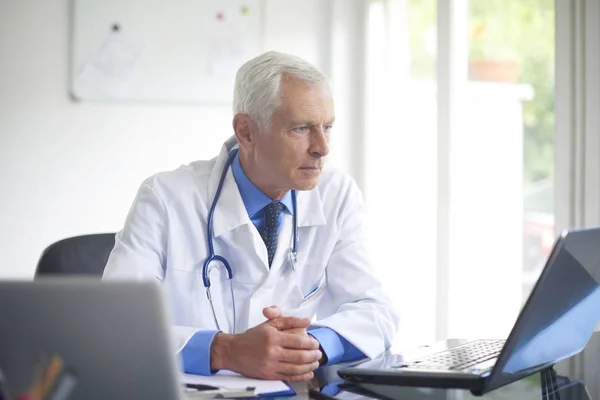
79,255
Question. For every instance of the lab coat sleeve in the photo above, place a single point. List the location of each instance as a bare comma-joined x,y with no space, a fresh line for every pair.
354,304
140,248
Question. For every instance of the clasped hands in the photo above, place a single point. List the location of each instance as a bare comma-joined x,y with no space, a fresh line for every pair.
280,348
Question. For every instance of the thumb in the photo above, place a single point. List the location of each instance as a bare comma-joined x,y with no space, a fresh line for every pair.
272,312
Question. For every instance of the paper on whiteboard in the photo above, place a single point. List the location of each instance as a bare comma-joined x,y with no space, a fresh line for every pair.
111,70
230,44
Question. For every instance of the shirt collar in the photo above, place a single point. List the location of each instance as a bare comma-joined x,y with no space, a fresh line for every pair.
255,200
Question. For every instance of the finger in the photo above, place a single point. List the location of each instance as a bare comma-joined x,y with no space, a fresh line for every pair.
293,370
272,312
299,357
296,331
298,378
285,323
298,341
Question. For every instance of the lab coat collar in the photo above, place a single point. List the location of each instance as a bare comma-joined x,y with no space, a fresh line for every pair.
310,208
230,212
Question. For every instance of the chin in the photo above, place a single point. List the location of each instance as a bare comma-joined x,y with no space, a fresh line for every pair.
306,184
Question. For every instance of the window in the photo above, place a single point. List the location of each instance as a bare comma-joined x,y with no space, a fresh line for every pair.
492,168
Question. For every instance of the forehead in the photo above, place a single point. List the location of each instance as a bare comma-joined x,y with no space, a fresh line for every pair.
304,101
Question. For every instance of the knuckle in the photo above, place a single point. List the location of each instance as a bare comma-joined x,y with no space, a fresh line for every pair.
310,343
292,370
270,353
317,355
304,358
270,337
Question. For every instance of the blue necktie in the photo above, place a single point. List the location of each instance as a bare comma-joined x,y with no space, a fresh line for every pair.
269,231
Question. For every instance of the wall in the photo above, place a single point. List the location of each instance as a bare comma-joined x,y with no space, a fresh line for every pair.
73,168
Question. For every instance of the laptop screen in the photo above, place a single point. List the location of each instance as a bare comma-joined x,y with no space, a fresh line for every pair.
561,313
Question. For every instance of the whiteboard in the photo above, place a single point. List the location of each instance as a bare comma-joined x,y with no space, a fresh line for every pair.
161,50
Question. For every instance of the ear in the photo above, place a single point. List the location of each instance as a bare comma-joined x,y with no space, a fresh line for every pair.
243,126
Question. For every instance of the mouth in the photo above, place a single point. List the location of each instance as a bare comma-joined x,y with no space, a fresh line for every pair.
311,168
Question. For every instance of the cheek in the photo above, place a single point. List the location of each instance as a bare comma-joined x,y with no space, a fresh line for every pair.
282,158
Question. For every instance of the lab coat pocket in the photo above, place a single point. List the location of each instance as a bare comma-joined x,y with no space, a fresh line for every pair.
191,305
302,302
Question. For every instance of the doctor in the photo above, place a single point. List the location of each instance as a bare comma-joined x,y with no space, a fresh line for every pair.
257,242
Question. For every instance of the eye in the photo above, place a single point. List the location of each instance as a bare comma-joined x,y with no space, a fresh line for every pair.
301,129
327,128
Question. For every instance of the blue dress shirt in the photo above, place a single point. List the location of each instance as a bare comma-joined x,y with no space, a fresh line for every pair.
196,353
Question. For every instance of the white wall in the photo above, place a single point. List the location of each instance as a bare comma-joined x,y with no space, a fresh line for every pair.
70,168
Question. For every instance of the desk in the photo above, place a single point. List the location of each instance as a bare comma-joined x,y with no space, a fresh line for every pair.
582,384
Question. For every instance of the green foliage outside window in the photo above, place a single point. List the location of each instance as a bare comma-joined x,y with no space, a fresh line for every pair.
505,30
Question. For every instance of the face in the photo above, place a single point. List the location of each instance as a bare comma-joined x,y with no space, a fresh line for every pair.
291,154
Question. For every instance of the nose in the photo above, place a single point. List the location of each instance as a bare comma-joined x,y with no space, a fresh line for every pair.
319,146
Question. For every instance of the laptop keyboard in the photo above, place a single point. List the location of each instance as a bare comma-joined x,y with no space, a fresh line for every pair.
458,358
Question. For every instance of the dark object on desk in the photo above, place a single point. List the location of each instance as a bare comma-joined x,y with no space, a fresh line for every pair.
79,255
556,322
317,395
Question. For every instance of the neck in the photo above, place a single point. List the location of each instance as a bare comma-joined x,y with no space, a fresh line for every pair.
252,173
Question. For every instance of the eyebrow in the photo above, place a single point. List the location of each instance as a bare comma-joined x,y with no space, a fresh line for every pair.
295,123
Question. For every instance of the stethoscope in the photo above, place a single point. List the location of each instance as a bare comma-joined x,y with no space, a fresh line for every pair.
292,253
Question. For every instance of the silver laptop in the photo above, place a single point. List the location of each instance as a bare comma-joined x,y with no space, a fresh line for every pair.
113,337
556,322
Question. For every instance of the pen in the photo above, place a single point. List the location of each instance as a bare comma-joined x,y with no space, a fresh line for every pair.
221,393
199,386
311,292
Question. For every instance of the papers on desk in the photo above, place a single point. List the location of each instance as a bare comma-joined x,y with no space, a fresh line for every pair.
228,381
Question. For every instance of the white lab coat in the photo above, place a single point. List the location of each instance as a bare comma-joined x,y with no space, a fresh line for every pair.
164,238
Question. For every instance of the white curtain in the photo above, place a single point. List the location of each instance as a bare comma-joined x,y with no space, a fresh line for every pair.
577,136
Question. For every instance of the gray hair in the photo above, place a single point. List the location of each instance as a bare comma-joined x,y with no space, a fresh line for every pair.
257,84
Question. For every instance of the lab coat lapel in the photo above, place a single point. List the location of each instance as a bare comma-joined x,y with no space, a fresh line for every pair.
310,213
230,212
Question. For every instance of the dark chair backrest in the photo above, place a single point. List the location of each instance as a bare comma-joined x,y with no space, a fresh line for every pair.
79,255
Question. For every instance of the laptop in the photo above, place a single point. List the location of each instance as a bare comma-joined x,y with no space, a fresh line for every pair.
113,338
556,322
545,385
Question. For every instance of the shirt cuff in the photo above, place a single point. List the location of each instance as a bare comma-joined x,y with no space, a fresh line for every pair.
336,348
331,344
195,355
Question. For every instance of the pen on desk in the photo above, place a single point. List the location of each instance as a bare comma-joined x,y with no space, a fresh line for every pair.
199,386
221,393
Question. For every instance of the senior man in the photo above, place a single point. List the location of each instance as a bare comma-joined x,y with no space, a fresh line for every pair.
262,249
